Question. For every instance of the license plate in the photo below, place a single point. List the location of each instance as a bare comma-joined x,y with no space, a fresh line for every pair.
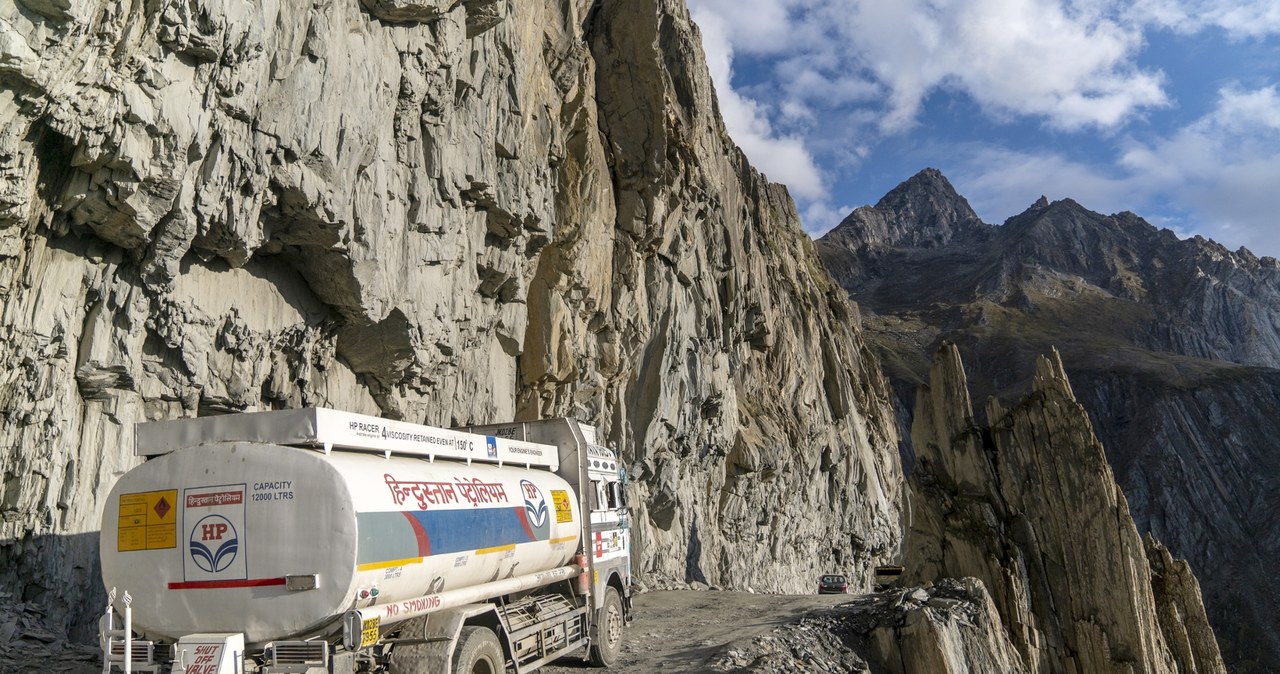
369,631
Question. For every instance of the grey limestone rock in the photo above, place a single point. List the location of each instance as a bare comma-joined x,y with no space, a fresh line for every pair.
955,630
441,212
1029,506
948,628
1182,616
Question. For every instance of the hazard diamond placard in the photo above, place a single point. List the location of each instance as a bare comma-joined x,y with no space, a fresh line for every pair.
148,521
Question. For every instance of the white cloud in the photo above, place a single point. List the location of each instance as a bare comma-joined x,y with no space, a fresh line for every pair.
783,158
1069,63
1000,183
820,217
1216,176
1224,166
873,64
802,80
755,26
1039,58
1244,112
1242,130
1240,18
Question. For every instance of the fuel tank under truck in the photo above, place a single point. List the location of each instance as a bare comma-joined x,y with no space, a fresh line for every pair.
278,542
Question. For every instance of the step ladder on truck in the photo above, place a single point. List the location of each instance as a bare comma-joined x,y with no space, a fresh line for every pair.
316,541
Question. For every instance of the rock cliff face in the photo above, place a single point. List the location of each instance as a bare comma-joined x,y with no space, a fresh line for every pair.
1171,346
443,212
1028,505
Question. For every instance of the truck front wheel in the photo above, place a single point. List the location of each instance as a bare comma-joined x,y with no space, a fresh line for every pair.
606,634
478,652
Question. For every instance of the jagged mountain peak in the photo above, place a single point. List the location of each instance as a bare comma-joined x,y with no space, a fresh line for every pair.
1065,236
922,211
1063,215
1058,208
929,196
1066,228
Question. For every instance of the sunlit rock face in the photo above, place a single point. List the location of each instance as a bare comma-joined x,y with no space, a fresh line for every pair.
1028,505
1173,346
440,212
948,628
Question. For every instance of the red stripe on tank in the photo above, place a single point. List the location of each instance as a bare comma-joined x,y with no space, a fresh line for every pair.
220,584
424,544
524,522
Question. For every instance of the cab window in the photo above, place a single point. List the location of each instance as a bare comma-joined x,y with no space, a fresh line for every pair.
597,495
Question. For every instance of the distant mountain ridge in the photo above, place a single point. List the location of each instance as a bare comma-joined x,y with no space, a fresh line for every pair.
1173,347
1186,283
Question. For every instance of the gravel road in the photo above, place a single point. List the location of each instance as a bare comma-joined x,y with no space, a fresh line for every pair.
688,631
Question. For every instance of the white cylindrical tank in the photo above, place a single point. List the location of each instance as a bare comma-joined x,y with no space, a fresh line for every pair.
277,542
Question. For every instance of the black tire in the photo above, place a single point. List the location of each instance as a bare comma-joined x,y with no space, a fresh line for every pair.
478,652
606,632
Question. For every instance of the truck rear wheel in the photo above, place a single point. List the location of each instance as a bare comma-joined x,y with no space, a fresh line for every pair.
606,634
478,652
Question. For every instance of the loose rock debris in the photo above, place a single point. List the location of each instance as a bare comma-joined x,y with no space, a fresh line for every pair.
25,643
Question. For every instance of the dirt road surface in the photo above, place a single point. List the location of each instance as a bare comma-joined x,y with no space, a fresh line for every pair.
687,630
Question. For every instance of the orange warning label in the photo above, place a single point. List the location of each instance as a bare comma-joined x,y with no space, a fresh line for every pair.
148,521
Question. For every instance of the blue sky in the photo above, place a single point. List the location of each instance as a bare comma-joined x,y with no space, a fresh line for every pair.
1168,108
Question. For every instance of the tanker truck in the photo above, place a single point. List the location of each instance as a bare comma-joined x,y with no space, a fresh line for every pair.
316,541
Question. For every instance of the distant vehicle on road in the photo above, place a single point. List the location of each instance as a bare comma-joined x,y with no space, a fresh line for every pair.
833,583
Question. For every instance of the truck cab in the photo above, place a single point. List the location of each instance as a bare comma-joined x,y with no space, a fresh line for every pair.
600,482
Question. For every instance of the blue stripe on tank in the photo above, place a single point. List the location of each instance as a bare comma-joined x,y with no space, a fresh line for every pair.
386,536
